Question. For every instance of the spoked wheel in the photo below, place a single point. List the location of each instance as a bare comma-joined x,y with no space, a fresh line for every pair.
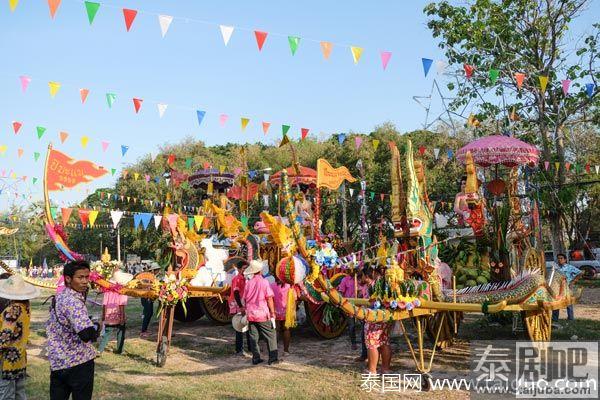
161,352
539,325
425,382
315,314
216,310
447,334
194,308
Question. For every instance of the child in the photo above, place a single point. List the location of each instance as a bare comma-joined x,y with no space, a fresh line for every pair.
377,339
280,297
348,290
365,281
236,295
114,319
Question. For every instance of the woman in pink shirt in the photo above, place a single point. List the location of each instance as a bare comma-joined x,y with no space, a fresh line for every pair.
260,311
346,289
236,294
280,297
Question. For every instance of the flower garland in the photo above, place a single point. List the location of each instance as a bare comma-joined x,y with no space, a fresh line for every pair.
406,297
172,290
105,268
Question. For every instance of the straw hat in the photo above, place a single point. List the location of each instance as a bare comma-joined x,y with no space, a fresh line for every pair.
234,262
120,278
240,323
255,267
15,288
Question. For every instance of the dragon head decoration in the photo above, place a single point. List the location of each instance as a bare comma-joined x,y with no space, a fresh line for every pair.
418,213
281,234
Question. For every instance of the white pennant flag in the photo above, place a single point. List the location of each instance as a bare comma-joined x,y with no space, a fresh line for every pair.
351,192
436,153
597,169
226,31
161,109
157,219
440,66
266,200
165,22
116,217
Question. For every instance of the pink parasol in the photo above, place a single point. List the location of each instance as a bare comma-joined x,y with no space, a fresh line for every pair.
497,149
307,176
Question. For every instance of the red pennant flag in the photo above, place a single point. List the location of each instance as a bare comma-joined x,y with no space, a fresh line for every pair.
16,126
304,132
63,136
53,5
84,216
137,104
422,150
469,70
129,17
382,196
587,168
66,214
519,77
171,159
206,165
260,38
568,166
83,93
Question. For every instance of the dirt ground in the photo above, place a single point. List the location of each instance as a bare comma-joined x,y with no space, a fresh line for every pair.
202,365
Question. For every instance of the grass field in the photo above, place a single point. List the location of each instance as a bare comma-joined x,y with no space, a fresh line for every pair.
202,364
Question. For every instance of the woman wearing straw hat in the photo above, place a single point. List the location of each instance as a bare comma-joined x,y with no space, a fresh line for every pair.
14,334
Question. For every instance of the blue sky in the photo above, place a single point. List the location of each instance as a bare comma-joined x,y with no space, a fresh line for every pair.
191,69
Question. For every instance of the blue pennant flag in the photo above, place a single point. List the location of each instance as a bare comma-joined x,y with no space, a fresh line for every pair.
426,65
201,115
341,138
137,218
124,149
146,217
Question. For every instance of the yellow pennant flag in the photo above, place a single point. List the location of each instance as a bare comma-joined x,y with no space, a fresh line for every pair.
330,177
92,217
221,169
3,149
557,166
136,175
543,82
356,53
245,123
375,144
54,87
84,141
198,220
13,4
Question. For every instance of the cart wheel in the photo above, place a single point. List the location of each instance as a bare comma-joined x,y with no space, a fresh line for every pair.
216,310
314,315
161,352
425,382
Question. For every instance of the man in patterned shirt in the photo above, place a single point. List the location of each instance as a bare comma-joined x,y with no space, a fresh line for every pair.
70,335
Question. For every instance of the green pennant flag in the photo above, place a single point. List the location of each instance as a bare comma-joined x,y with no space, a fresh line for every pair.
36,156
34,180
188,163
52,209
92,9
191,223
40,131
285,129
110,99
284,141
294,42
372,195
494,73
112,171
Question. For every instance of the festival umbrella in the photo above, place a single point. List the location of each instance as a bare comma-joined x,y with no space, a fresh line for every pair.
498,149
220,180
307,176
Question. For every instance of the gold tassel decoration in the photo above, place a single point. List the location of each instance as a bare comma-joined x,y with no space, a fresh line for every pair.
290,309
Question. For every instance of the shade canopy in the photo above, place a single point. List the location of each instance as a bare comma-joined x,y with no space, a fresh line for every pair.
220,180
307,176
498,149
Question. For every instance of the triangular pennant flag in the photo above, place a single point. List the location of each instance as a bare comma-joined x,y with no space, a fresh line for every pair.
382,196
372,195
40,131
19,153
294,41
469,69
326,48
198,220
84,216
357,142
3,149
341,138
284,141
265,127
171,159
566,83
440,66
92,217
136,175
543,82
449,153
105,145
223,119
16,126
190,222
161,109
422,150
36,156
129,17
436,153
494,74
137,104
303,133
54,88
25,80
385,58
63,136
34,180
83,93
245,123
546,165
66,214
356,53
188,163
285,129
53,5
351,192
124,150
426,65
567,166
375,144
84,141
12,4
200,114
137,220
92,9
116,217
260,38
110,99
226,32
589,89
113,171
164,21
172,219
519,78
157,219
597,168
587,168
146,217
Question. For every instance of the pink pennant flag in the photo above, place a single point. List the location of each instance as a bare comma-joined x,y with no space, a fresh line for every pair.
63,136
105,145
304,133
25,80
385,58
223,119
566,83
266,126
237,171
16,126
172,218
358,141
546,165
83,93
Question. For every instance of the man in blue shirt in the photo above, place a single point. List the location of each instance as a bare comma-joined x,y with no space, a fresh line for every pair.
571,273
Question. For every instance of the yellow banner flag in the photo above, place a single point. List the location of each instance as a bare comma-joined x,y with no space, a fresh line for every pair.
330,177
54,87
543,83
92,217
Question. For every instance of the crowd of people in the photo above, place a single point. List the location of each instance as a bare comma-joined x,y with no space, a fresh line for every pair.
41,271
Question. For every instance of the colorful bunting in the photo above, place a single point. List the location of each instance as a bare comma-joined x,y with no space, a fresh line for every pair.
519,78
161,109
137,104
34,181
265,127
20,152
66,214
284,141
157,219
226,32
53,5
543,82
165,22
356,53
469,69
12,4
450,153
341,138
25,80
303,133
84,216
84,141
40,131
92,9
124,150
566,83
294,41
260,39
589,89
357,142
223,119
92,217
54,88
83,93
63,136
110,99
326,48
105,145
113,171
146,217
198,220
129,16
16,126
385,58
436,153
116,217
171,159
36,156
285,129
200,114
494,73
440,66
244,123
426,65
375,143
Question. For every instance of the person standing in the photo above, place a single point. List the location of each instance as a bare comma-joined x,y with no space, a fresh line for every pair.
70,333
281,295
14,334
572,274
147,311
260,311
347,289
236,294
114,319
